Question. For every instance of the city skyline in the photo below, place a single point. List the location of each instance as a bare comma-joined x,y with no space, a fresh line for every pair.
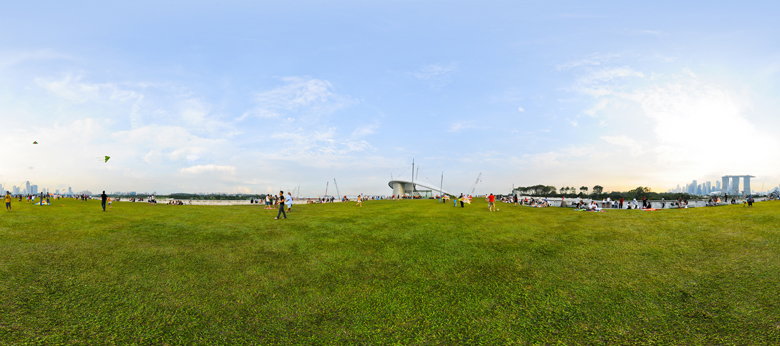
251,98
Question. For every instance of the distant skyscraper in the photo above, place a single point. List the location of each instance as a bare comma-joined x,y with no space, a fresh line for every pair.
27,188
717,185
708,188
70,192
33,190
57,191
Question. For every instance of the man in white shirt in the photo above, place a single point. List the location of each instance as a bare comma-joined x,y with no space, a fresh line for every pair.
288,201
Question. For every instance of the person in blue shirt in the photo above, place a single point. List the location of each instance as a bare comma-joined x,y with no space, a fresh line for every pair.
288,201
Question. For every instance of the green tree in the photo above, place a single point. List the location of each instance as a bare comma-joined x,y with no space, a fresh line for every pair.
598,189
584,189
639,191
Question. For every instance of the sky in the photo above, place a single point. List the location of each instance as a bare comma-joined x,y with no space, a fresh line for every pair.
253,97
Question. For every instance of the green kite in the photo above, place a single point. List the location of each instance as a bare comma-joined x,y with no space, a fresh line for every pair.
35,142
107,157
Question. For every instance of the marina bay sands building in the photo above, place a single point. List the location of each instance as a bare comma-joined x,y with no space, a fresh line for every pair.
733,188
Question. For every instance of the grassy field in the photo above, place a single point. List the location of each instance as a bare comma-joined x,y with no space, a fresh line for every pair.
392,272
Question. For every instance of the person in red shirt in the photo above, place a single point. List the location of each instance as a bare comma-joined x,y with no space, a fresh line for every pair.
491,202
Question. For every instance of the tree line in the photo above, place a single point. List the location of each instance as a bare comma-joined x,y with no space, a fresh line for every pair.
596,192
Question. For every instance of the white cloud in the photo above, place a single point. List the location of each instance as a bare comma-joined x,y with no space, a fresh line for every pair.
364,130
8,59
608,74
687,119
602,82
74,90
520,109
436,75
599,106
462,125
623,140
591,60
297,93
208,168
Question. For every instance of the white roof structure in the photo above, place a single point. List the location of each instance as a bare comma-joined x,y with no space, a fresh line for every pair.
400,187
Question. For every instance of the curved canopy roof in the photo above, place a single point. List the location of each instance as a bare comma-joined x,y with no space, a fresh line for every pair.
425,185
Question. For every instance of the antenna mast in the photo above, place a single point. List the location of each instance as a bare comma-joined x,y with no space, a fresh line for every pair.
326,188
337,187
475,183
441,187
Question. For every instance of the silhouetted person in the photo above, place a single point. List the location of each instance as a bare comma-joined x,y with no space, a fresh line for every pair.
103,198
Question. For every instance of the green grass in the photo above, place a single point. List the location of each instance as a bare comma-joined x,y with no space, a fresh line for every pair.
392,272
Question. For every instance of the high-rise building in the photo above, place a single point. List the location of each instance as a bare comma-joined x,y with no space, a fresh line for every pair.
70,192
33,190
57,191
717,185
27,188
708,188
17,190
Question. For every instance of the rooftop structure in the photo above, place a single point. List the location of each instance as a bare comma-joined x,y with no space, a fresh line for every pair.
403,188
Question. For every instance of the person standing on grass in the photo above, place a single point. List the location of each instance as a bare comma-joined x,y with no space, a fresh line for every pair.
515,199
461,200
103,198
288,201
663,203
281,206
359,201
491,202
8,201
109,202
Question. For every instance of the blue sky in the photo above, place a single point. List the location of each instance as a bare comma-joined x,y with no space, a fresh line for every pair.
250,97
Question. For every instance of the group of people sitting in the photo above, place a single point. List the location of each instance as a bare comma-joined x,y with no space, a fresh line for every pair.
175,202
540,203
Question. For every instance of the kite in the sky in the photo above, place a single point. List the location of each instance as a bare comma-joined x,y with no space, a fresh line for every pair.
107,157
36,142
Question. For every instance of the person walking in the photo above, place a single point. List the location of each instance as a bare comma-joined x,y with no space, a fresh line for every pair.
281,206
359,201
103,198
8,201
109,202
663,203
491,202
288,201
